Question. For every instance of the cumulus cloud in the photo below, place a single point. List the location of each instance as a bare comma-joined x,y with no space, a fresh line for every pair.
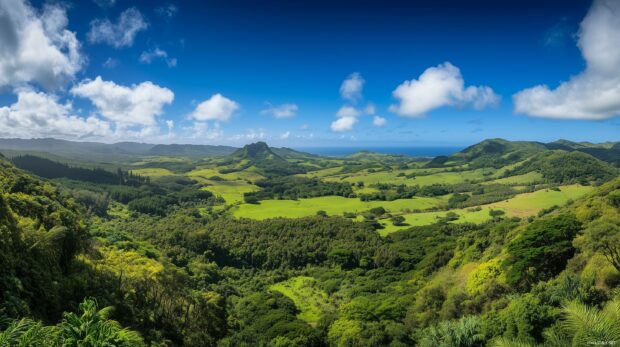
36,114
285,135
147,57
347,111
351,88
126,106
347,117
343,124
436,87
595,92
36,48
378,121
216,108
120,34
280,111
202,130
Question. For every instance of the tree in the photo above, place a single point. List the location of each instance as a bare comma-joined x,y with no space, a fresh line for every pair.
466,332
398,220
580,326
93,328
496,213
542,251
603,235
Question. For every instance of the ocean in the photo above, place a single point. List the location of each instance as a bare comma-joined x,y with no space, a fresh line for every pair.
410,151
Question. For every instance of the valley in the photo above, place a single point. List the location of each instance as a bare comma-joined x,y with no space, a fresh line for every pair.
263,245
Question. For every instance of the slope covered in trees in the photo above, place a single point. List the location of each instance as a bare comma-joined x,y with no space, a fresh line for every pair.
178,268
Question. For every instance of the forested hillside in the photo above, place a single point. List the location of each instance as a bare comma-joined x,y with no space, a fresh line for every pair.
278,248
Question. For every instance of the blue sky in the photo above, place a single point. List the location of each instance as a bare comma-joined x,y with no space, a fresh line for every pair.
233,72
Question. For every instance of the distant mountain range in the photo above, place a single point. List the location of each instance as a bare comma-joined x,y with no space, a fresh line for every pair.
493,152
95,151
500,152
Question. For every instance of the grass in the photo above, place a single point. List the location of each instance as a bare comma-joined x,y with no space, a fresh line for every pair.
528,204
153,172
208,173
231,191
522,205
307,296
426,218
333,205
392,177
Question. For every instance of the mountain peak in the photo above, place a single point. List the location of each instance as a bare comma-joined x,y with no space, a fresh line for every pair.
257,150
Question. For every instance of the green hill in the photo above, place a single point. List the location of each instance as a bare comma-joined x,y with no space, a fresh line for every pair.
500,152
260,156
608,151
491,153
567,167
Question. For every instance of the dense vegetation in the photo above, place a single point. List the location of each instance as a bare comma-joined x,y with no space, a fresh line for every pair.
165,262
292,188
51,169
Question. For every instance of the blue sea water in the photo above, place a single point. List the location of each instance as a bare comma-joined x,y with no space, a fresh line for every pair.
410,151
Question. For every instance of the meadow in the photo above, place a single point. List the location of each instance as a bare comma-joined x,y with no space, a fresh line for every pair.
305,292
332,205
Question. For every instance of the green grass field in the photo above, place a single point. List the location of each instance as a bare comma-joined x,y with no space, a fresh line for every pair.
333,205
528,204
392,177
153,172
522,205
426,218
231,191
307,296
208,173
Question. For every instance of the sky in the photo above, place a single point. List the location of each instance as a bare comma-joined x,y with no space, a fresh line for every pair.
310,73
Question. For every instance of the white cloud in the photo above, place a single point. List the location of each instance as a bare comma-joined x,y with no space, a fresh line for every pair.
285,135
167,11
379,121
105,3
127,106
347,111
251,135
343,124
147,57
281,111
347,118
36,48
217,108
202,130
436,87
370,109
595,92
351,88
36,114
121,34
110,63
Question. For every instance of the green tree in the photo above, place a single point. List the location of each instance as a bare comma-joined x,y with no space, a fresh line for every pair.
465,332
542,250
398,220
603,235
92,327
